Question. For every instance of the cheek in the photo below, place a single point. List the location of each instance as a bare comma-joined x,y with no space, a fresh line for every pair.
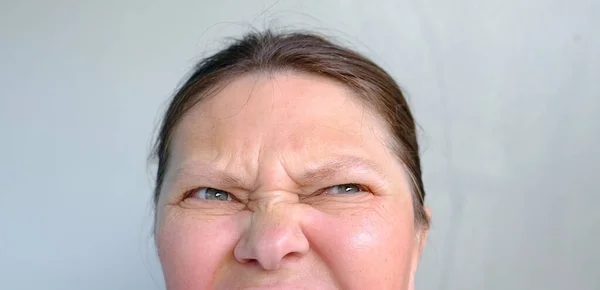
369,249
192,249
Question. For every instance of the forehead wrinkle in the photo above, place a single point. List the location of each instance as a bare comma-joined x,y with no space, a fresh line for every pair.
271,138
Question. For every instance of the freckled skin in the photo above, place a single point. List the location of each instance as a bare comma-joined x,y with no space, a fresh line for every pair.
279,235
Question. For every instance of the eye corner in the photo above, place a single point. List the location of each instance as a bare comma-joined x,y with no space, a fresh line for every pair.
190,193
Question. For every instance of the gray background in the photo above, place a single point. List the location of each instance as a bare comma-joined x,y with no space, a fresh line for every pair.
507,93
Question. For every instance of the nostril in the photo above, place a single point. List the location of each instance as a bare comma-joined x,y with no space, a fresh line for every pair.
250,262
270,244
293,256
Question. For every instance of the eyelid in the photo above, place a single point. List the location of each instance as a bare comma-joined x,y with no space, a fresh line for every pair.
361,187
190,193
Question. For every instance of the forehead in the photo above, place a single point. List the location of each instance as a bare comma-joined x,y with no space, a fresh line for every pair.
276,113
283,97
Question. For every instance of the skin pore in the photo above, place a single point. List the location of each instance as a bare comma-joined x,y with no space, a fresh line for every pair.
285,181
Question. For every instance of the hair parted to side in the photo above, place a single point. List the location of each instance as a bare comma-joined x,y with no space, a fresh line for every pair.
305,53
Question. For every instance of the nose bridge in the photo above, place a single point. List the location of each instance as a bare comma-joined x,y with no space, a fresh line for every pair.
273,235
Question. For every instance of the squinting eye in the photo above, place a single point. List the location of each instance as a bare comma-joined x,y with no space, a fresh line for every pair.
212,194
344,189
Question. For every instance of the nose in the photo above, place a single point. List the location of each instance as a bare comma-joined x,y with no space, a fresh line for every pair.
273,237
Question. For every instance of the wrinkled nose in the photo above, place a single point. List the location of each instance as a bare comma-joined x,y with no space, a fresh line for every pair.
271,239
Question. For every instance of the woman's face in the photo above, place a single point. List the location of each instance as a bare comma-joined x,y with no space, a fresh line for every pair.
285,181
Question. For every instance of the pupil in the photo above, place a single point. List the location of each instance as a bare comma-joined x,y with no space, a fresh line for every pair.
221,195
215,194
351,188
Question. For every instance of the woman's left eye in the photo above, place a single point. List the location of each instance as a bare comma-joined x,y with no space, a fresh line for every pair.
349,188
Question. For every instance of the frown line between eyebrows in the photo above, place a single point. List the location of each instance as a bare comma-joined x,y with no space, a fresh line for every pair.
206,174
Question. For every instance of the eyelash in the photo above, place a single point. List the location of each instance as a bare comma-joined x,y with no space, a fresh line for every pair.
190,193
361,188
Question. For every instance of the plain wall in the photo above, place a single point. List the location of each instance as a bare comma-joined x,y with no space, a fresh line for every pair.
507,94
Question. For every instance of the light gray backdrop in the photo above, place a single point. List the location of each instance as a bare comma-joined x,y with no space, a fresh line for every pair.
507,93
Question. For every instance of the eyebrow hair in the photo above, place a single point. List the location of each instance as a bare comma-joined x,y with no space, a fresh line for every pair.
338,165
315,174
208,173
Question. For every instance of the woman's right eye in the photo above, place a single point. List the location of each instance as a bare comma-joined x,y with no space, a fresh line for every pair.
210,193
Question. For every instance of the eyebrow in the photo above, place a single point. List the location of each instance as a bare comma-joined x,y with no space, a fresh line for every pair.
315,174
207,172
338,165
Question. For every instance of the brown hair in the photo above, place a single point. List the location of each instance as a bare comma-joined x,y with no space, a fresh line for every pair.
308,53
